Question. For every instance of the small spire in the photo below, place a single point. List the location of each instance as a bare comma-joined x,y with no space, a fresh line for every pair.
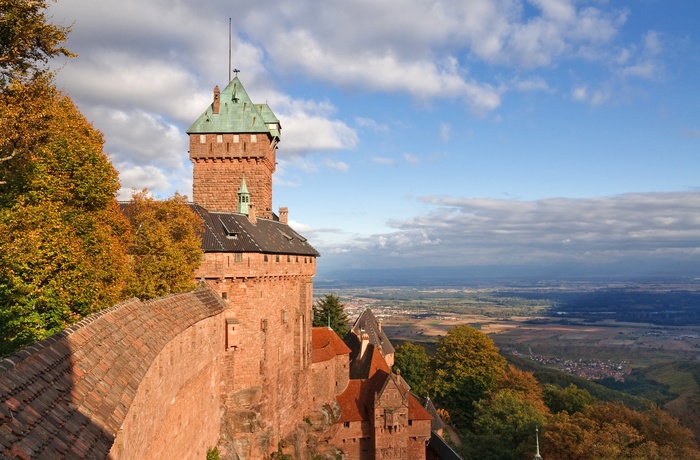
243,198
537,439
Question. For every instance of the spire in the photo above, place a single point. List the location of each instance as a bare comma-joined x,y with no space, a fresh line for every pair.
537,438
243,198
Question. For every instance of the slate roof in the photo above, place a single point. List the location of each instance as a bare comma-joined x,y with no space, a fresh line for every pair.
233,232
68,395
326,345
237,114
437,423
367,323
439,449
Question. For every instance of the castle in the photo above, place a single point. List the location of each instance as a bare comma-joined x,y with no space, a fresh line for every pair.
235,364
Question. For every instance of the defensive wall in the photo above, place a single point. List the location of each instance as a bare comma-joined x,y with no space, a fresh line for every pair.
138,380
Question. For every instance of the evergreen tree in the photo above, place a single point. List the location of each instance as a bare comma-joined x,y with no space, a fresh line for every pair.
329,311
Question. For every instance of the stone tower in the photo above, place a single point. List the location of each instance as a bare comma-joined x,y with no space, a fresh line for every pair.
234,138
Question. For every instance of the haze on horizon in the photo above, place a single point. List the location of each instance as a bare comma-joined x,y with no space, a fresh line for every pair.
495,133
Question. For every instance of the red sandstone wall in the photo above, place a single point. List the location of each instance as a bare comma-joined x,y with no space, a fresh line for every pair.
219,168
355,440
267,373
175,413
417,438
222,267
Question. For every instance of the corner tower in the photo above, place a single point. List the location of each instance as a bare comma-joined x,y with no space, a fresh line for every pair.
233,138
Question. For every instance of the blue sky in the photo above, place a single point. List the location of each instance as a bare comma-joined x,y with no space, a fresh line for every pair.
422,132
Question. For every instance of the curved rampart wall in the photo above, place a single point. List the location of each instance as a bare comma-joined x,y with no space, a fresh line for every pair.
121,383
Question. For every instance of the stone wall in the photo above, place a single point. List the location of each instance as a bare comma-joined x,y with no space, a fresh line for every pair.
219,168
265,385
175,413
111,383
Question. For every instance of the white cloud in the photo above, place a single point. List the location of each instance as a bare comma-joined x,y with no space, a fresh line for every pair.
444,133
411,158
480,231
337,165
384,161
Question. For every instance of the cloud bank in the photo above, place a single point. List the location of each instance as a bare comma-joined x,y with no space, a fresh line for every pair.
631,229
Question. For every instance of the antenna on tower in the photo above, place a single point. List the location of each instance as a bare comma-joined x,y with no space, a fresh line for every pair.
229,49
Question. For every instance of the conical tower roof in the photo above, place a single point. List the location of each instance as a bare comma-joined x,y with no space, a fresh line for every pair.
237,114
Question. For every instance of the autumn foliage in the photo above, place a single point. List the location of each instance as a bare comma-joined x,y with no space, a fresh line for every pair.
62,236
165,247
498,409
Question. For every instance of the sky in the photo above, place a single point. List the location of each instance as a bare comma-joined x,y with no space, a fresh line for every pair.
528,133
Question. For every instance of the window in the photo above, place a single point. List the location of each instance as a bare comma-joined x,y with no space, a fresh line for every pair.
219,138
277,257
253,138
224,295
347,425
237,257
236,139
202,138
265,258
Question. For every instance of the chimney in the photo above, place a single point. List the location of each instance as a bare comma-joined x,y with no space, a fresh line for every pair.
365,343
217,99
284,215
251,214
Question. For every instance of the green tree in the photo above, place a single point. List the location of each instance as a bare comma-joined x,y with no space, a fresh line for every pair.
466,366
330,307
165,248
504,426
571,399
62,236
413,362
27,40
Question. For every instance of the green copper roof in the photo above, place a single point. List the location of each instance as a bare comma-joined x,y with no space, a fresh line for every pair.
237,114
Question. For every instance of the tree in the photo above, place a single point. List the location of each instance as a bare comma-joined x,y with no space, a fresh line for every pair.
27,40
466,366
613,431
166,245
62,236
504,426
330,307
414,363
571,399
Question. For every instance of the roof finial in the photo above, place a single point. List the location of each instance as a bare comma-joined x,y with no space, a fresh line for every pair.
537,438
236,71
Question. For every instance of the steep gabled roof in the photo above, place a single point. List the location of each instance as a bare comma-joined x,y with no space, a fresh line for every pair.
357,401
237,114
367,323
365,366
234,232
